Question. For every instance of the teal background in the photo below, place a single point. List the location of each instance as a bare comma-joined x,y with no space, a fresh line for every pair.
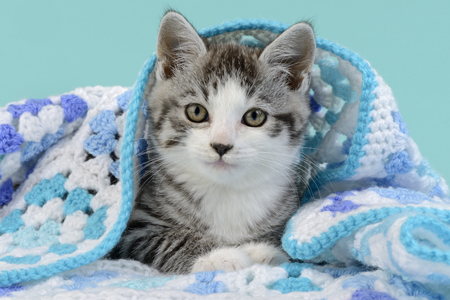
51,47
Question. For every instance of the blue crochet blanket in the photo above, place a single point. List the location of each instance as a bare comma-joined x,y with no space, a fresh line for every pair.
374,223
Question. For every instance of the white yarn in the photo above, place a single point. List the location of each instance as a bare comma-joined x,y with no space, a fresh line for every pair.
49,119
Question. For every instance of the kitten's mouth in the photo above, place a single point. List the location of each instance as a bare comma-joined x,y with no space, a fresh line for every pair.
221,164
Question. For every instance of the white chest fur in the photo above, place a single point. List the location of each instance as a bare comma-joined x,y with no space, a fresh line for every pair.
232,215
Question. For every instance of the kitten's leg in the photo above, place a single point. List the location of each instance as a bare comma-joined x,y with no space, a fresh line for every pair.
168,249
265,253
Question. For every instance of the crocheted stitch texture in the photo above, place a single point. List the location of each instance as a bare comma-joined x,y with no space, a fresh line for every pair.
67,185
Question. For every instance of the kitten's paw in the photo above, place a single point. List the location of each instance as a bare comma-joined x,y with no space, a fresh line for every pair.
225,259
261,253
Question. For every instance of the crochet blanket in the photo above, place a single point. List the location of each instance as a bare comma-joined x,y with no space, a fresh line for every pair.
375,223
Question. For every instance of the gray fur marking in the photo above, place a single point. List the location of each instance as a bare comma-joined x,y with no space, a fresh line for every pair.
189,194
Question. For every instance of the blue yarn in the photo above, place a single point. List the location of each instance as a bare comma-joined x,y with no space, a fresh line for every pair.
250,41
423,168
94,224
78,199
124,99
203,288
368,85
357,254
399,120
359,141
46,190
28,237
144,109
431,224
6,291
62,249
329,71
144,283
315,107
206,285
10,140
436,191
291,284
326,256
100,144
139,150
339,205
81,282
331,117
207,276
392,259
425,242
6,192
439,278
104,121
295,269
140,146
30,169
338,272
335,165
360,282
398,163
114,168
312,143
402,195
365,245
33,149
12,222
385,182
104,142
382,228
330,74
325,240
26,260
414,288
346,146
371,295
31,105
74,107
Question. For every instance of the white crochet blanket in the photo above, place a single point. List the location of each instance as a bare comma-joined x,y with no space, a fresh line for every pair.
375,223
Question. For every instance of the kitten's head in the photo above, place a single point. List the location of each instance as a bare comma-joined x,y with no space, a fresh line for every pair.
228,112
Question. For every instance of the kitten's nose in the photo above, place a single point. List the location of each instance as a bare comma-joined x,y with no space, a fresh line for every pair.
221,149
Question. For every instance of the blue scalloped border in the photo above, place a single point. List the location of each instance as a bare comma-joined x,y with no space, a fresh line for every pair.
326,239
347,170
440,230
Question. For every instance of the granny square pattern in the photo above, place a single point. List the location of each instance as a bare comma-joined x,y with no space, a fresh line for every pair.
374,223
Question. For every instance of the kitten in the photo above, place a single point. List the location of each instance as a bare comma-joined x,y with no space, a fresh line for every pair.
226,124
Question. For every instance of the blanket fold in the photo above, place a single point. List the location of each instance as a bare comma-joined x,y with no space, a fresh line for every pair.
374,220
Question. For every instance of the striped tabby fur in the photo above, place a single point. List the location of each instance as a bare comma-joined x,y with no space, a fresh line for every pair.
218,193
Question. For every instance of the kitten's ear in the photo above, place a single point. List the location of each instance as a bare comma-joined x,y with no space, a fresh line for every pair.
292,52
178,42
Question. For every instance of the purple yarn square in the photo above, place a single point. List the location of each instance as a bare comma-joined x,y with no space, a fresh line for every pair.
340,205
74,107
6,291
399,163
10,140
33,106
315,107
6,192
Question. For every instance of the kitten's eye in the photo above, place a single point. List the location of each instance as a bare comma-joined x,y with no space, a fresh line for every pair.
196,113
254,117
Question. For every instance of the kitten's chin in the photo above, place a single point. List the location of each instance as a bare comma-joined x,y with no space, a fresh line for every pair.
223,172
